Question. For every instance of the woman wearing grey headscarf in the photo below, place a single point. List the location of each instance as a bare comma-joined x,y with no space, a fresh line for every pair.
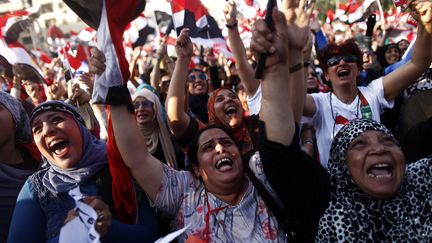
378,197
18,156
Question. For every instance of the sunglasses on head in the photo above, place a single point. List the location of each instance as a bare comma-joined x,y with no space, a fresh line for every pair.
144,104
201,76
332,61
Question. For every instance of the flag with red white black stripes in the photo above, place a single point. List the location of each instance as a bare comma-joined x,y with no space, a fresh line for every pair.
110,18
203,27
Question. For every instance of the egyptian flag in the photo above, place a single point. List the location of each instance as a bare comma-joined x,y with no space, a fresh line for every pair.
165,26
18,54
204,30
13,22
139,31
87,35
110,18
74,55
164,21
8,22
353,12
41,56
251,9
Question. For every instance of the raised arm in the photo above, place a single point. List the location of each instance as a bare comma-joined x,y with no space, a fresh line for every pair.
297,17
244,69
398,80
276,107
178,119
146,169
132,65
155,73
287,168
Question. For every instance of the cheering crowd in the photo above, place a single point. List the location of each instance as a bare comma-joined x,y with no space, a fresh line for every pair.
331,144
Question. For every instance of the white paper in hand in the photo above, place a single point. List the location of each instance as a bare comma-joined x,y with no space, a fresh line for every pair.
73,231
171,236
81,228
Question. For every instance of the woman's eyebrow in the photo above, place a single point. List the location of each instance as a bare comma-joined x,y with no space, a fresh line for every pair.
207,142
214,139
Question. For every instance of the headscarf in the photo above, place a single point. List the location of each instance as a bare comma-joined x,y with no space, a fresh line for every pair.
22,123
93,158
154,91
157,132
381,53
354,216
241,133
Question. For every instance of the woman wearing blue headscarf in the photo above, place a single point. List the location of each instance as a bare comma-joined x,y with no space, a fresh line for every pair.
75,158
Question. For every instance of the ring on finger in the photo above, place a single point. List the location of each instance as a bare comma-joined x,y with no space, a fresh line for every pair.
101,217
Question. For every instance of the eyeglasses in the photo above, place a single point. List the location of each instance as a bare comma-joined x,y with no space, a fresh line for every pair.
333,61
201,76
144,104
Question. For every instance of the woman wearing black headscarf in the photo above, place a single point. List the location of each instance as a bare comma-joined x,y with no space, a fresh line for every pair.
375,196
378,197
388,55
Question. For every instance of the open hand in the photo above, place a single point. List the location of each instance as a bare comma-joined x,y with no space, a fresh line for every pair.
297,16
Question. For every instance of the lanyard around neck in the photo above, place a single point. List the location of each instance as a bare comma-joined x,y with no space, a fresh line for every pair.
365,111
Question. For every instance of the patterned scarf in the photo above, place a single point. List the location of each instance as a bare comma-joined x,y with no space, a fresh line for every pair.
354,216
241,132
94,155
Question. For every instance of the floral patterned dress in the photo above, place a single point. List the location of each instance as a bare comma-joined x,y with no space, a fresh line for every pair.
182,196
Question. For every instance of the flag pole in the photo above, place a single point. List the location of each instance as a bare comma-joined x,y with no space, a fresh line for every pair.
156,23
65,59
259,71
382,17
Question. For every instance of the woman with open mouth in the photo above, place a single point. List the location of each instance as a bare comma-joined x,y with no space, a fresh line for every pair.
149,118
224,107
220,199
75,158
347,101
377,197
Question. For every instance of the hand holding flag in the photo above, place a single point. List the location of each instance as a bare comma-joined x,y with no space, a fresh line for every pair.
264,41
110,18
